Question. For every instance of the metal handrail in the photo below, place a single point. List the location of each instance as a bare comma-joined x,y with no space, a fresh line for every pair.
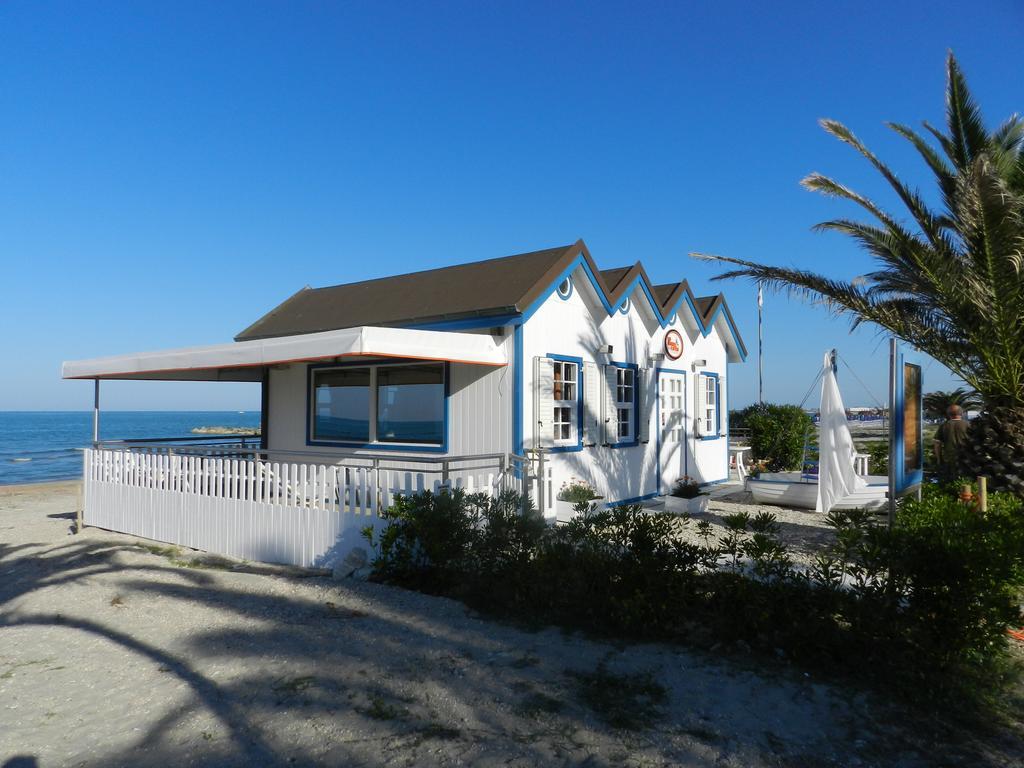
442,465
239,436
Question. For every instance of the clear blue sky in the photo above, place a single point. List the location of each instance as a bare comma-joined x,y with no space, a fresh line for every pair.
170,171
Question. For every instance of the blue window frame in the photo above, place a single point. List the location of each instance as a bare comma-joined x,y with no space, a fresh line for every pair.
567,379
394,405
709,410
626,419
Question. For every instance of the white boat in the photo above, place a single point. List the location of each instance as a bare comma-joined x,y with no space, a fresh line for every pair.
791,489
836,484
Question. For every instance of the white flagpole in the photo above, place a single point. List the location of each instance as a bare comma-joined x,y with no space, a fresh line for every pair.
760,347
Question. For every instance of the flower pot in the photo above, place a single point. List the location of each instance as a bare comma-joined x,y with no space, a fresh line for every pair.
683,506
699,504
677,504
566,510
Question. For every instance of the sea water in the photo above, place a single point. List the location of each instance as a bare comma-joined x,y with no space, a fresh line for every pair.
38,446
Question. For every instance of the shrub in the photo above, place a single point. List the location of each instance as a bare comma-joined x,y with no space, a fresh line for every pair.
962,572
577,491
426,541
431,541
777,434
923,607
687,488
878,456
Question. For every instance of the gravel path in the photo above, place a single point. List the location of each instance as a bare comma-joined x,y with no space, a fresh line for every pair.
804,531
113,654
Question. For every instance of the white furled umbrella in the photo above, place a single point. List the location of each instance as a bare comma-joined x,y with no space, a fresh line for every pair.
836,476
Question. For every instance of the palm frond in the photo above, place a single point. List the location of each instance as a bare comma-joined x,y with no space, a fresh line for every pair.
953,286
925,218
963,118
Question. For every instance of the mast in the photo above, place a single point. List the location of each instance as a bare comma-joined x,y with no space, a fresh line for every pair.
760,346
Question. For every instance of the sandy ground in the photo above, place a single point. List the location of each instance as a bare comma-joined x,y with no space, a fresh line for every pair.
112,654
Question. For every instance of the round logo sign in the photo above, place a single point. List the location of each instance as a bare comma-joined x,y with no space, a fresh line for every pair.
673,345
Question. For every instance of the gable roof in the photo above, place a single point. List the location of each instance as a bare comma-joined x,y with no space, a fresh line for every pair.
494,288
480,289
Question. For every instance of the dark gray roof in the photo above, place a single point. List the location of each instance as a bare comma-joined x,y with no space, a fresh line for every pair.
481,288
704,305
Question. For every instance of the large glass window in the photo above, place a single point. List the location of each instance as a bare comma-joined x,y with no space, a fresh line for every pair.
410,404
342,398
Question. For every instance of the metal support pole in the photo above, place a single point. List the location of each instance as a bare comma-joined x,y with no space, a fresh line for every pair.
95,412
760,346
892,437
540,480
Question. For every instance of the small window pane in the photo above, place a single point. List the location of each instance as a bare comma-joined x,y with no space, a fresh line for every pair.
410,404
624,422
565,378
624,385
563,423
342,400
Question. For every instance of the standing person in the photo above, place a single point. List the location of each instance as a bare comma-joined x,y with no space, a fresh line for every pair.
948,443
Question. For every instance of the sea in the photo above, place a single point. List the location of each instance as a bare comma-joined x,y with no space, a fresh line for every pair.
40,446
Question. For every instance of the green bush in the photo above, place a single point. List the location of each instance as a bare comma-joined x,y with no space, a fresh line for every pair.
431,541
878,456
923,607
777,434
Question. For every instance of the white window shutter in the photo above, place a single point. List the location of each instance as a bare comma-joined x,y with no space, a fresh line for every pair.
543,402
702,394
610,414
643,403
592,424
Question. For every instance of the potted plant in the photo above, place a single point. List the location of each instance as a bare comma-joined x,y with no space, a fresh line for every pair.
686,497
754,470
573,492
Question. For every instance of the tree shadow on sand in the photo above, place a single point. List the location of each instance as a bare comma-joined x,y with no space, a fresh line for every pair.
325,671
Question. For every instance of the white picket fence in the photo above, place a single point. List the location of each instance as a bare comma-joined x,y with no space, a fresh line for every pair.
304,514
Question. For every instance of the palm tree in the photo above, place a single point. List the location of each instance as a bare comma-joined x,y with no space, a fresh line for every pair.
951,282
937,403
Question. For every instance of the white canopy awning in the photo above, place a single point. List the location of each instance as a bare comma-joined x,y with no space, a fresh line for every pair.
242,360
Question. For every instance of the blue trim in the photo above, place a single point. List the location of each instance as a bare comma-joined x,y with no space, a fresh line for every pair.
636,407
579,261
726,411
633,500
579,404
517,389
664,320
466,322
718,410
657,419
715,482
378,446
624,305
565,296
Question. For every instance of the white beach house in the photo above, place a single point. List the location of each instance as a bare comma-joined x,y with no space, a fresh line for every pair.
524,371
